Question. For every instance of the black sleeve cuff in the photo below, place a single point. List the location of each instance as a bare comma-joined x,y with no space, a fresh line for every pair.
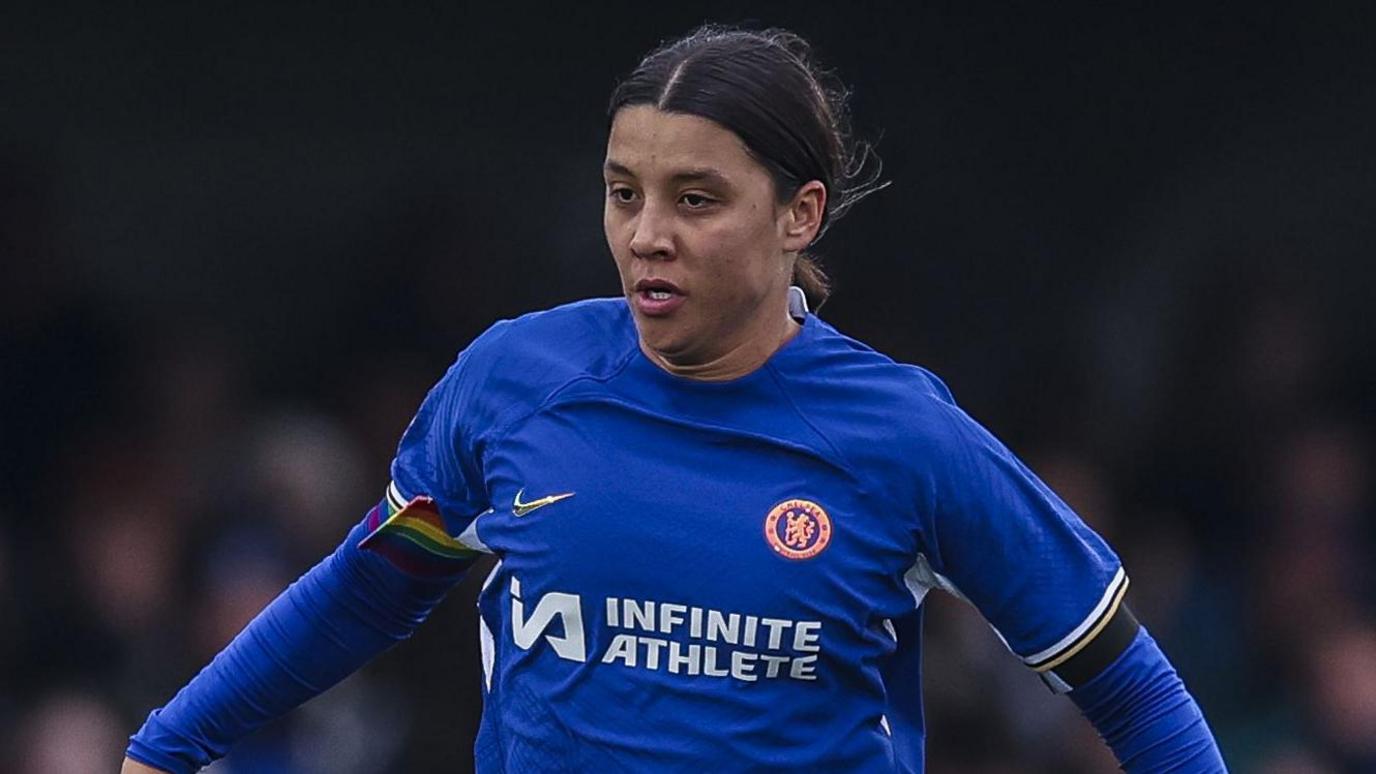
1095,655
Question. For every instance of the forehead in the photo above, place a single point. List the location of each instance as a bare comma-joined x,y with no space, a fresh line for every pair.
649,141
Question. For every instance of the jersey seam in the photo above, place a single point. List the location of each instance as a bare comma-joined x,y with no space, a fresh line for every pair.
776,377
508,427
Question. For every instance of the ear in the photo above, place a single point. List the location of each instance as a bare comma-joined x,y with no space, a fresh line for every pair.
802,218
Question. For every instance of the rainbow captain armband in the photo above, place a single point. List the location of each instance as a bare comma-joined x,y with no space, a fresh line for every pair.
411,534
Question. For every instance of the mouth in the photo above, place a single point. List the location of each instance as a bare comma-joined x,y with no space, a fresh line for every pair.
657,297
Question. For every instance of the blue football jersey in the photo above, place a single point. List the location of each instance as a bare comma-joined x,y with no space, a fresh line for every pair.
723,576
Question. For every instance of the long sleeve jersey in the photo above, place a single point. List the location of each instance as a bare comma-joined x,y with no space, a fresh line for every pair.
723,576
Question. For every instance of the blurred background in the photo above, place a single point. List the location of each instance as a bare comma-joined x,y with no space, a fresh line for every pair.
238,245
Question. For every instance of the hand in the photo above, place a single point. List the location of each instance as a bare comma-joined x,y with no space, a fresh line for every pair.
132,766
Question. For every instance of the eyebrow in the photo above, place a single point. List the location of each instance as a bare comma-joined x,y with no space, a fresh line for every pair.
692,175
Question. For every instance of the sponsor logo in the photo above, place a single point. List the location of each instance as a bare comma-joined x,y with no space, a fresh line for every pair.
797,529
668,637
566,607
520,509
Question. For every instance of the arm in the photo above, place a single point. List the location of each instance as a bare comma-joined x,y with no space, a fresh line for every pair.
373,591
1141,708
333,620
1054,591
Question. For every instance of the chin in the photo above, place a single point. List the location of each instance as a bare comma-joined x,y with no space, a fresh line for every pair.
666,339
665,342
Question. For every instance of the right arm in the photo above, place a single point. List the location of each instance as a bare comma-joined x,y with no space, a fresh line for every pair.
326,625
374,590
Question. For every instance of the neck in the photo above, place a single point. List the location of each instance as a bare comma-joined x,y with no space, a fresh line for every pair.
744,357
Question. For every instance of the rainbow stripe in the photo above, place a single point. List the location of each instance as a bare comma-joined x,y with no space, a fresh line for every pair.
411,535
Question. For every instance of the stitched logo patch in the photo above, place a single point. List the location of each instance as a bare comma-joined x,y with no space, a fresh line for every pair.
797,529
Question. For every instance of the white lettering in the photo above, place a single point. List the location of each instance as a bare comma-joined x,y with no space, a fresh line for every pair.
726,628
677,660
774,663
557,618
622,647
806,635
750,623
740,669
776,630
652,648
709,663
638,617
670,615
804,668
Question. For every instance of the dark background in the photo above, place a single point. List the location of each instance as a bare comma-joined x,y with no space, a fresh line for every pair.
238,244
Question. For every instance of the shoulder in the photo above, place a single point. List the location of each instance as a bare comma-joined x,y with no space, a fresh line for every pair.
584,335
579,332
855,392
517,363
857,374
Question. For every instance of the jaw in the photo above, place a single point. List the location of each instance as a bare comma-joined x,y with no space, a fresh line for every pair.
672,338
702,349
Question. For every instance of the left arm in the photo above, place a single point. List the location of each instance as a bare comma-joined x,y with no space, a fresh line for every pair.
1140,706
1054,591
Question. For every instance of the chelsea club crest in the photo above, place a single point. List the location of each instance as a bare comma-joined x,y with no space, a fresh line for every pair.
797,529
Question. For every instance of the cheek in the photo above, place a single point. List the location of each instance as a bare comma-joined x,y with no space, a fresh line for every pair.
750,249
616,242
609,227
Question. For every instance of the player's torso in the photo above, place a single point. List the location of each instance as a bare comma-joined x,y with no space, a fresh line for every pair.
674,590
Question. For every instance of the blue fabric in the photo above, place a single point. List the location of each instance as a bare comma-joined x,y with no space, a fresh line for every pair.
330,622
694,575
1141,708
672,485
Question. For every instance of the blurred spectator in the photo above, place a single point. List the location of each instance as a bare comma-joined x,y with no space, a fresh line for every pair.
69,733
1342,693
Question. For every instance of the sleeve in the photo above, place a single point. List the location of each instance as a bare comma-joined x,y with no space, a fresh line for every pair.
1053,590
374,590
333,620
439,456
1140,707
997,536
426,524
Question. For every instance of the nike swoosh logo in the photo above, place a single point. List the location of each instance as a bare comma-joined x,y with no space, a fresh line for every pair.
520,509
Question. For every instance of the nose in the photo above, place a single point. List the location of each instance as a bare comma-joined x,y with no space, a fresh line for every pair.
653,236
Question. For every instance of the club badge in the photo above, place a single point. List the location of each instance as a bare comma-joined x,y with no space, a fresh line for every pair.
797,529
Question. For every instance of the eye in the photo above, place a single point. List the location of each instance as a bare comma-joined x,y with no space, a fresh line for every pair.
621,194
695,201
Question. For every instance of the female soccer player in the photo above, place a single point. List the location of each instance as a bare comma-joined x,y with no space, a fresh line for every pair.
717,517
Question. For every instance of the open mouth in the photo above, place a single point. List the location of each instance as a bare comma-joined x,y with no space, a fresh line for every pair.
657,297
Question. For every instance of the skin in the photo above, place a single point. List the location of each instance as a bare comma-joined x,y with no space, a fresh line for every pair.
686,202
722,238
